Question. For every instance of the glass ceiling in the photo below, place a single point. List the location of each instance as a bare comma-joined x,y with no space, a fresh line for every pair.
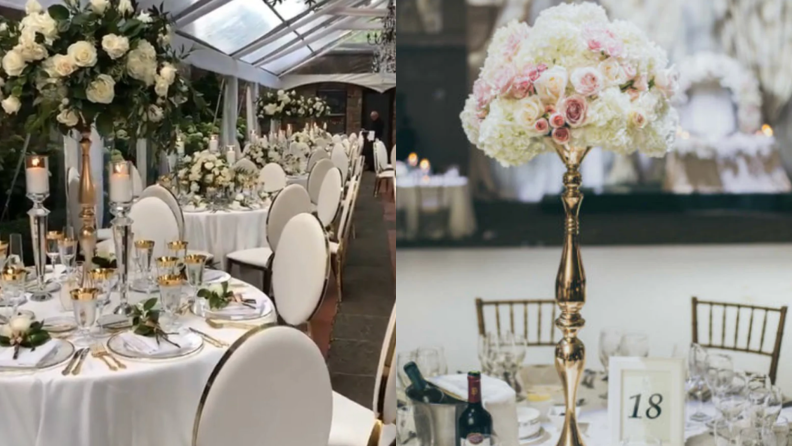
281,37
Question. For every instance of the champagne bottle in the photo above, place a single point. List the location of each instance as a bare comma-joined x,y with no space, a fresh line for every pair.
474,426
420,390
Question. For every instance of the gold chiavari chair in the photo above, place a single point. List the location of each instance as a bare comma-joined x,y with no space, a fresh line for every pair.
543,328
745,314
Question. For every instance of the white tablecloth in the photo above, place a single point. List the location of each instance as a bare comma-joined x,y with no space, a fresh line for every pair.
414,194
224,232
302,180
148,404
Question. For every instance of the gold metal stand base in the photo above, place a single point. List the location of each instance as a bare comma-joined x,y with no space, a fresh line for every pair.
87,234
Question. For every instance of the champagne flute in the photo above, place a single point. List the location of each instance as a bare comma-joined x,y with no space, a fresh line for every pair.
53,237
170,297
15,259
67,249
144,249
195,265
697,369
101,279
84,303
3,253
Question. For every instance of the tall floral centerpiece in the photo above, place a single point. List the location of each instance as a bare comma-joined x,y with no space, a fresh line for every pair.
572,82
103,64
275,106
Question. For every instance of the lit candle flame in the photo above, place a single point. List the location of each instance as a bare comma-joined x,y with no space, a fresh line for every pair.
35,161
767,130
424,164
214,136
412,159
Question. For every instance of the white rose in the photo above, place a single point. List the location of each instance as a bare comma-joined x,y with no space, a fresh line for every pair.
115,46
637,118
155,113
99,6
41,23
5,331
208,166
142,63
551,84
270,109
83,53
125,7
529,110
13,63
612,72
101,90
33,7
168,73
144,17
194,187
11,105
239,197
161,87
28,48
20,324
68,118
62,65
209,178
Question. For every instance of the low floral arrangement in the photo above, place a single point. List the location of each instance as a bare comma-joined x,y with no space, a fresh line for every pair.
101,62
104,260
574,79
21,331
145,322
196,136
316,107
295,158
277,105
262,152
205,170
218,296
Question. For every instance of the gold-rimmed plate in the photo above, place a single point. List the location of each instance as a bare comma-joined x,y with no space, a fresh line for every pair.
59,355
238,312
60,324
215,276
189,344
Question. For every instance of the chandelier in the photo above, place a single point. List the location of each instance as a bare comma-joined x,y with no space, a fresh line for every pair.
384,60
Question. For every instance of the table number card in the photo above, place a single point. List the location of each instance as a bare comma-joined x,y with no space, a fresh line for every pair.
646,399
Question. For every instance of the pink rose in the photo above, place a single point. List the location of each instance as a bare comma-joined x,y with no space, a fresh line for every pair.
574,110
521,86
541,67
594,43
614,48
560,135
629,71
483,94
556,120
503,79
587,81
532,72
634,94
541,126
641,83
550,109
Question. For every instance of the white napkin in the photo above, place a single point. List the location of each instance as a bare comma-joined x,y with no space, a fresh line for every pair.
235,309
148,345
27,357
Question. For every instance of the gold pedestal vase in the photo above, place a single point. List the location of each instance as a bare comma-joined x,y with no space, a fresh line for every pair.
571,296
87,199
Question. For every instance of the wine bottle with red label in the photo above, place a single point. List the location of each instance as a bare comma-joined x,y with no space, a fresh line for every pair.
474,427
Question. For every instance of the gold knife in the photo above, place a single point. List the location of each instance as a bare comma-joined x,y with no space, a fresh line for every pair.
67,369
78,367
216,342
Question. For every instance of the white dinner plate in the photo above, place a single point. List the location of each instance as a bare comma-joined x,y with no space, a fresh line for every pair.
189,344
60,324
215,276
60,354
239,312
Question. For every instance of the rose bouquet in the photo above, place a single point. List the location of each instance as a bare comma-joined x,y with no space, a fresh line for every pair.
261,152
574,79
295,159
316,107
277,105
204,170
104,63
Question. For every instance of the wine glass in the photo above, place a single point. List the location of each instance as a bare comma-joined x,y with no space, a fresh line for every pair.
697,369
402,359
634,344
143,252
511,353
170,298
102,279
67,249
13,287
178,249
730,407
167,266
15,259
84,304
484,353
53,237
756,437
719,373
428,361
609,341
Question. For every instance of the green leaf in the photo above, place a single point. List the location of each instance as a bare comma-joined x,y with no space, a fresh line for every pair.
58,12
150,304
104,124
204,293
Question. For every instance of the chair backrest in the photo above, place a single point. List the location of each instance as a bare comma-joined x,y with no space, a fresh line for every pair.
291,201
341,160
346,209
300,269
747,314
381,157
542,326
164,194
316,176
273,176
320,143
315,157
152,219
385,383
293,405
336,139
137,182
393,155
329,197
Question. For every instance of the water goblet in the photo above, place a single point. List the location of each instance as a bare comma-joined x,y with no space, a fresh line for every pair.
13,283
719,373
178,249
144,249
67,250
167,265
170,298
730,407
428,361
102,279
697,368
84,304
53,237
634,344
194,267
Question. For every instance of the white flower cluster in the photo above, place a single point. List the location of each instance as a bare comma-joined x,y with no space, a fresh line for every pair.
574,79
206,169
744,87
261,152
316,107
276,105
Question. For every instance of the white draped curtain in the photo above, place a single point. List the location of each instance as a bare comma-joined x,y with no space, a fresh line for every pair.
228,129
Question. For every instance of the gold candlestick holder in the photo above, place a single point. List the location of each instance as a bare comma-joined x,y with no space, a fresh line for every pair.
571,296
87,198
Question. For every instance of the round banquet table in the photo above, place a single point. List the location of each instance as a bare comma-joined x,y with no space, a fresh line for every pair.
146,404
223,232
452,192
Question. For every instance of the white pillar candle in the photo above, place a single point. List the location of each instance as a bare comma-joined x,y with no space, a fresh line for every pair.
179,146
37,176
213,144
288,130
231,155
120,184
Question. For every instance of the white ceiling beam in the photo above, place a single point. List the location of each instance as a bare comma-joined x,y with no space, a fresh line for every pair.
362,12
371,26
199,10
329,47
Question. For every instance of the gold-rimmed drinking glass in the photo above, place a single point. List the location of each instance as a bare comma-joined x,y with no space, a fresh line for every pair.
102,279
195,265
178,249
3,253
144,249
84,304
53,252
170,287
13,283
67,250
167,265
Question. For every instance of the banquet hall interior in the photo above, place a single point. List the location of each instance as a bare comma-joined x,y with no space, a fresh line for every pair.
690,247
196,242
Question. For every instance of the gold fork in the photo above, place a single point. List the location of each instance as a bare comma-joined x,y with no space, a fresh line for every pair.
224,324
97,353
101,351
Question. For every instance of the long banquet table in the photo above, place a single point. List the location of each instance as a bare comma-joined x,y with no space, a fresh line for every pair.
147,404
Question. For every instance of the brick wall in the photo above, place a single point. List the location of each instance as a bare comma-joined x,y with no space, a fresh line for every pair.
354,109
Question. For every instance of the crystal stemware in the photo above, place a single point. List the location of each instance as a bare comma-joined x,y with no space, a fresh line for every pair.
756,437
719,373
144,249
67,250
194,268
167,265
634,344
609,341
730,407
102,279
170,298
13,287
697,369
53,237
84,303
428,361
178,249
15,259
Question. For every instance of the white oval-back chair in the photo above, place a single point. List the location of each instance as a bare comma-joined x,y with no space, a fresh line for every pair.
292,405
164,194
152,219
384,170
300,269
329,197
316,176
273,176
341,160
315,157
